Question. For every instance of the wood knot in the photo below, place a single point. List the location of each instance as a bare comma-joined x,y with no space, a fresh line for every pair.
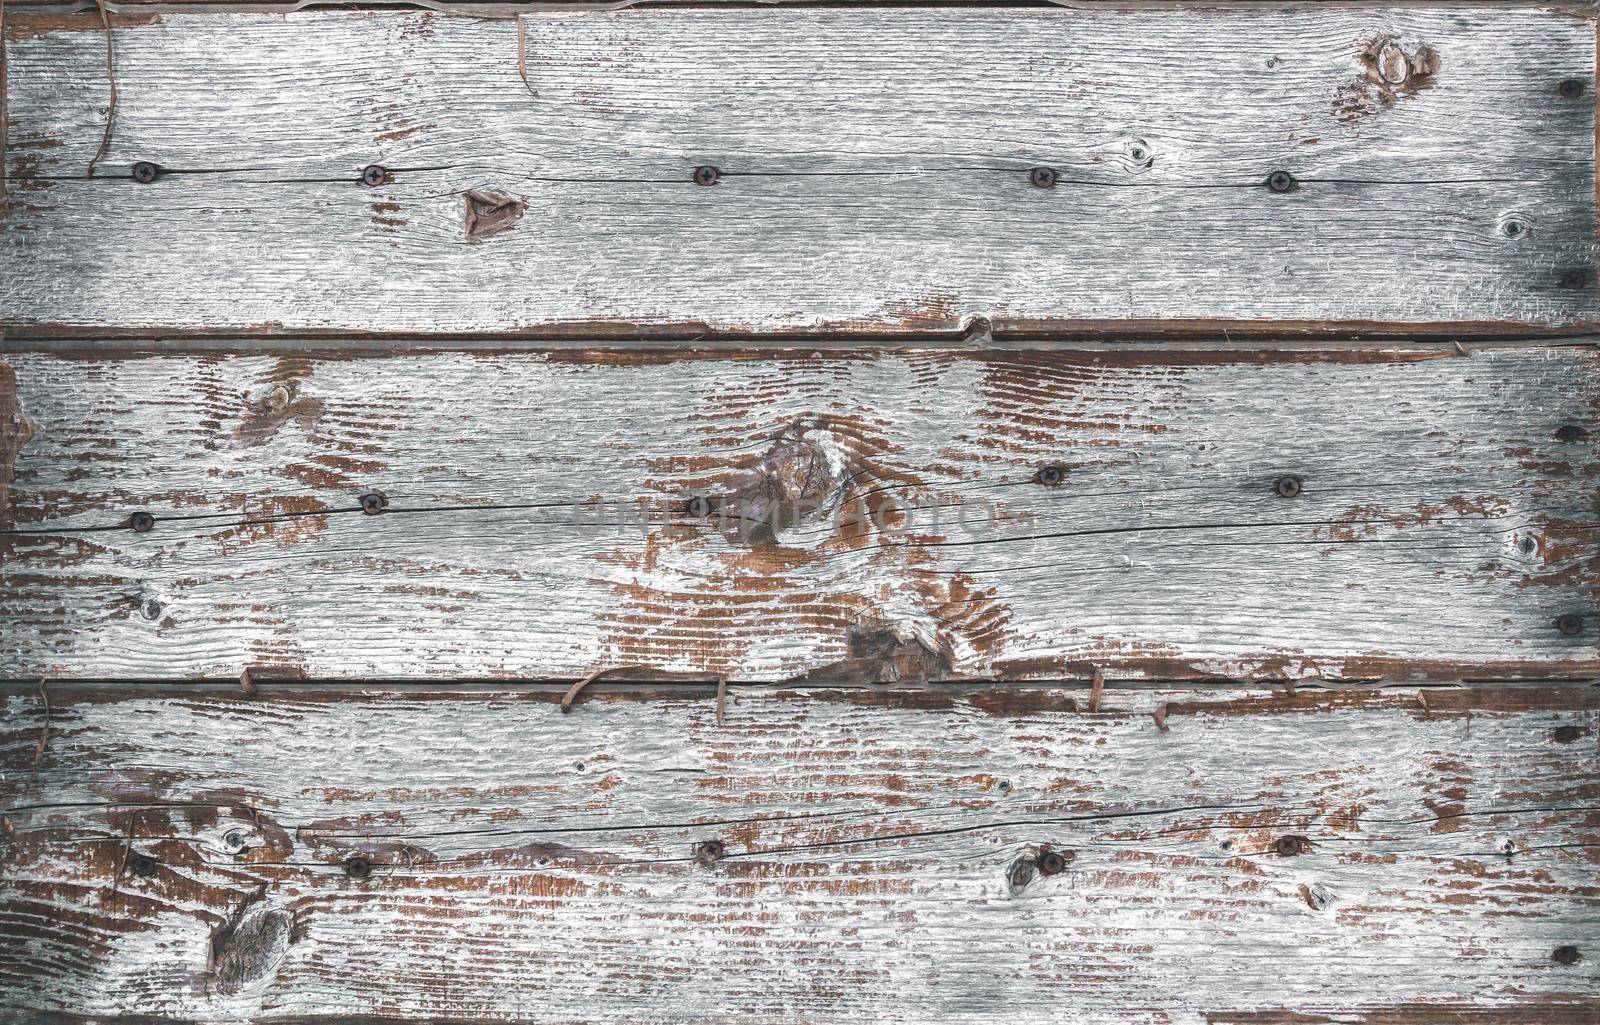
489,213
799,478
246,950
1390,72
268,408
16,430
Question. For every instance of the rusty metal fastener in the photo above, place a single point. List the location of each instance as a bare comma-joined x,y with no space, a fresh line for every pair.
705,174
142,522
1290,846
1566,954
1570,624
1574,279
1565,734
1287,486
1050,476
144,172
698,506
1050,863
374,502
1042,177
1571,88
373,174
357,867
142,865
708,852
1570,432
1280,181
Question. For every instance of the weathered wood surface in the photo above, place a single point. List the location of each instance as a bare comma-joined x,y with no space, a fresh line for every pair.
534,866
875,170
866,515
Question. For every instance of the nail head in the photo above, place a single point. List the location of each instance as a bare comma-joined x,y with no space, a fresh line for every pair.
706,174
150,609
1042,177
698,506
1287,486
1570,624
1280,181
144,172
374,174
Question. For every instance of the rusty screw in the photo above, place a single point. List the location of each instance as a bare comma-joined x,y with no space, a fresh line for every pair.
1290,846
357,867
142,865
1571,88
1565,734
1050,476
1570,433
705,174
1566,954
1574,279
1280,181
1287,486
144,172
142,522
373,174
1570,624
1042,177
374,502
1050,863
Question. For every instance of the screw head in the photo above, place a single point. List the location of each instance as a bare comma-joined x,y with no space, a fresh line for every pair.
1050,476
1565,734
144,172
142,865
1280,181
374,502
1287,486
357,867
1570,624
708,852
1571,88
1574,279
1566,954
705,174
1570,433
1289,846
373,174
150,609
1050,863
142,522
1042,177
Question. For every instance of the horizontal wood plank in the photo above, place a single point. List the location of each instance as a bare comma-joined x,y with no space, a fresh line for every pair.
875,170
1364,857
928,514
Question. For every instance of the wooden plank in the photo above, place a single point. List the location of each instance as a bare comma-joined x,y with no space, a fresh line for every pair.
881,857
875,170
915,514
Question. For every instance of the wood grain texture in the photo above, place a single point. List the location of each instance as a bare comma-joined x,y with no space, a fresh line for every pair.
875,170
880,857
906,515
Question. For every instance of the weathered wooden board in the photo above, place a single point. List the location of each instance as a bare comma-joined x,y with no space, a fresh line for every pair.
881,857
875,170
864,514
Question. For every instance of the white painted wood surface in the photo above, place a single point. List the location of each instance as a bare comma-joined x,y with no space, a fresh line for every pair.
529,865
538,520
875,170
